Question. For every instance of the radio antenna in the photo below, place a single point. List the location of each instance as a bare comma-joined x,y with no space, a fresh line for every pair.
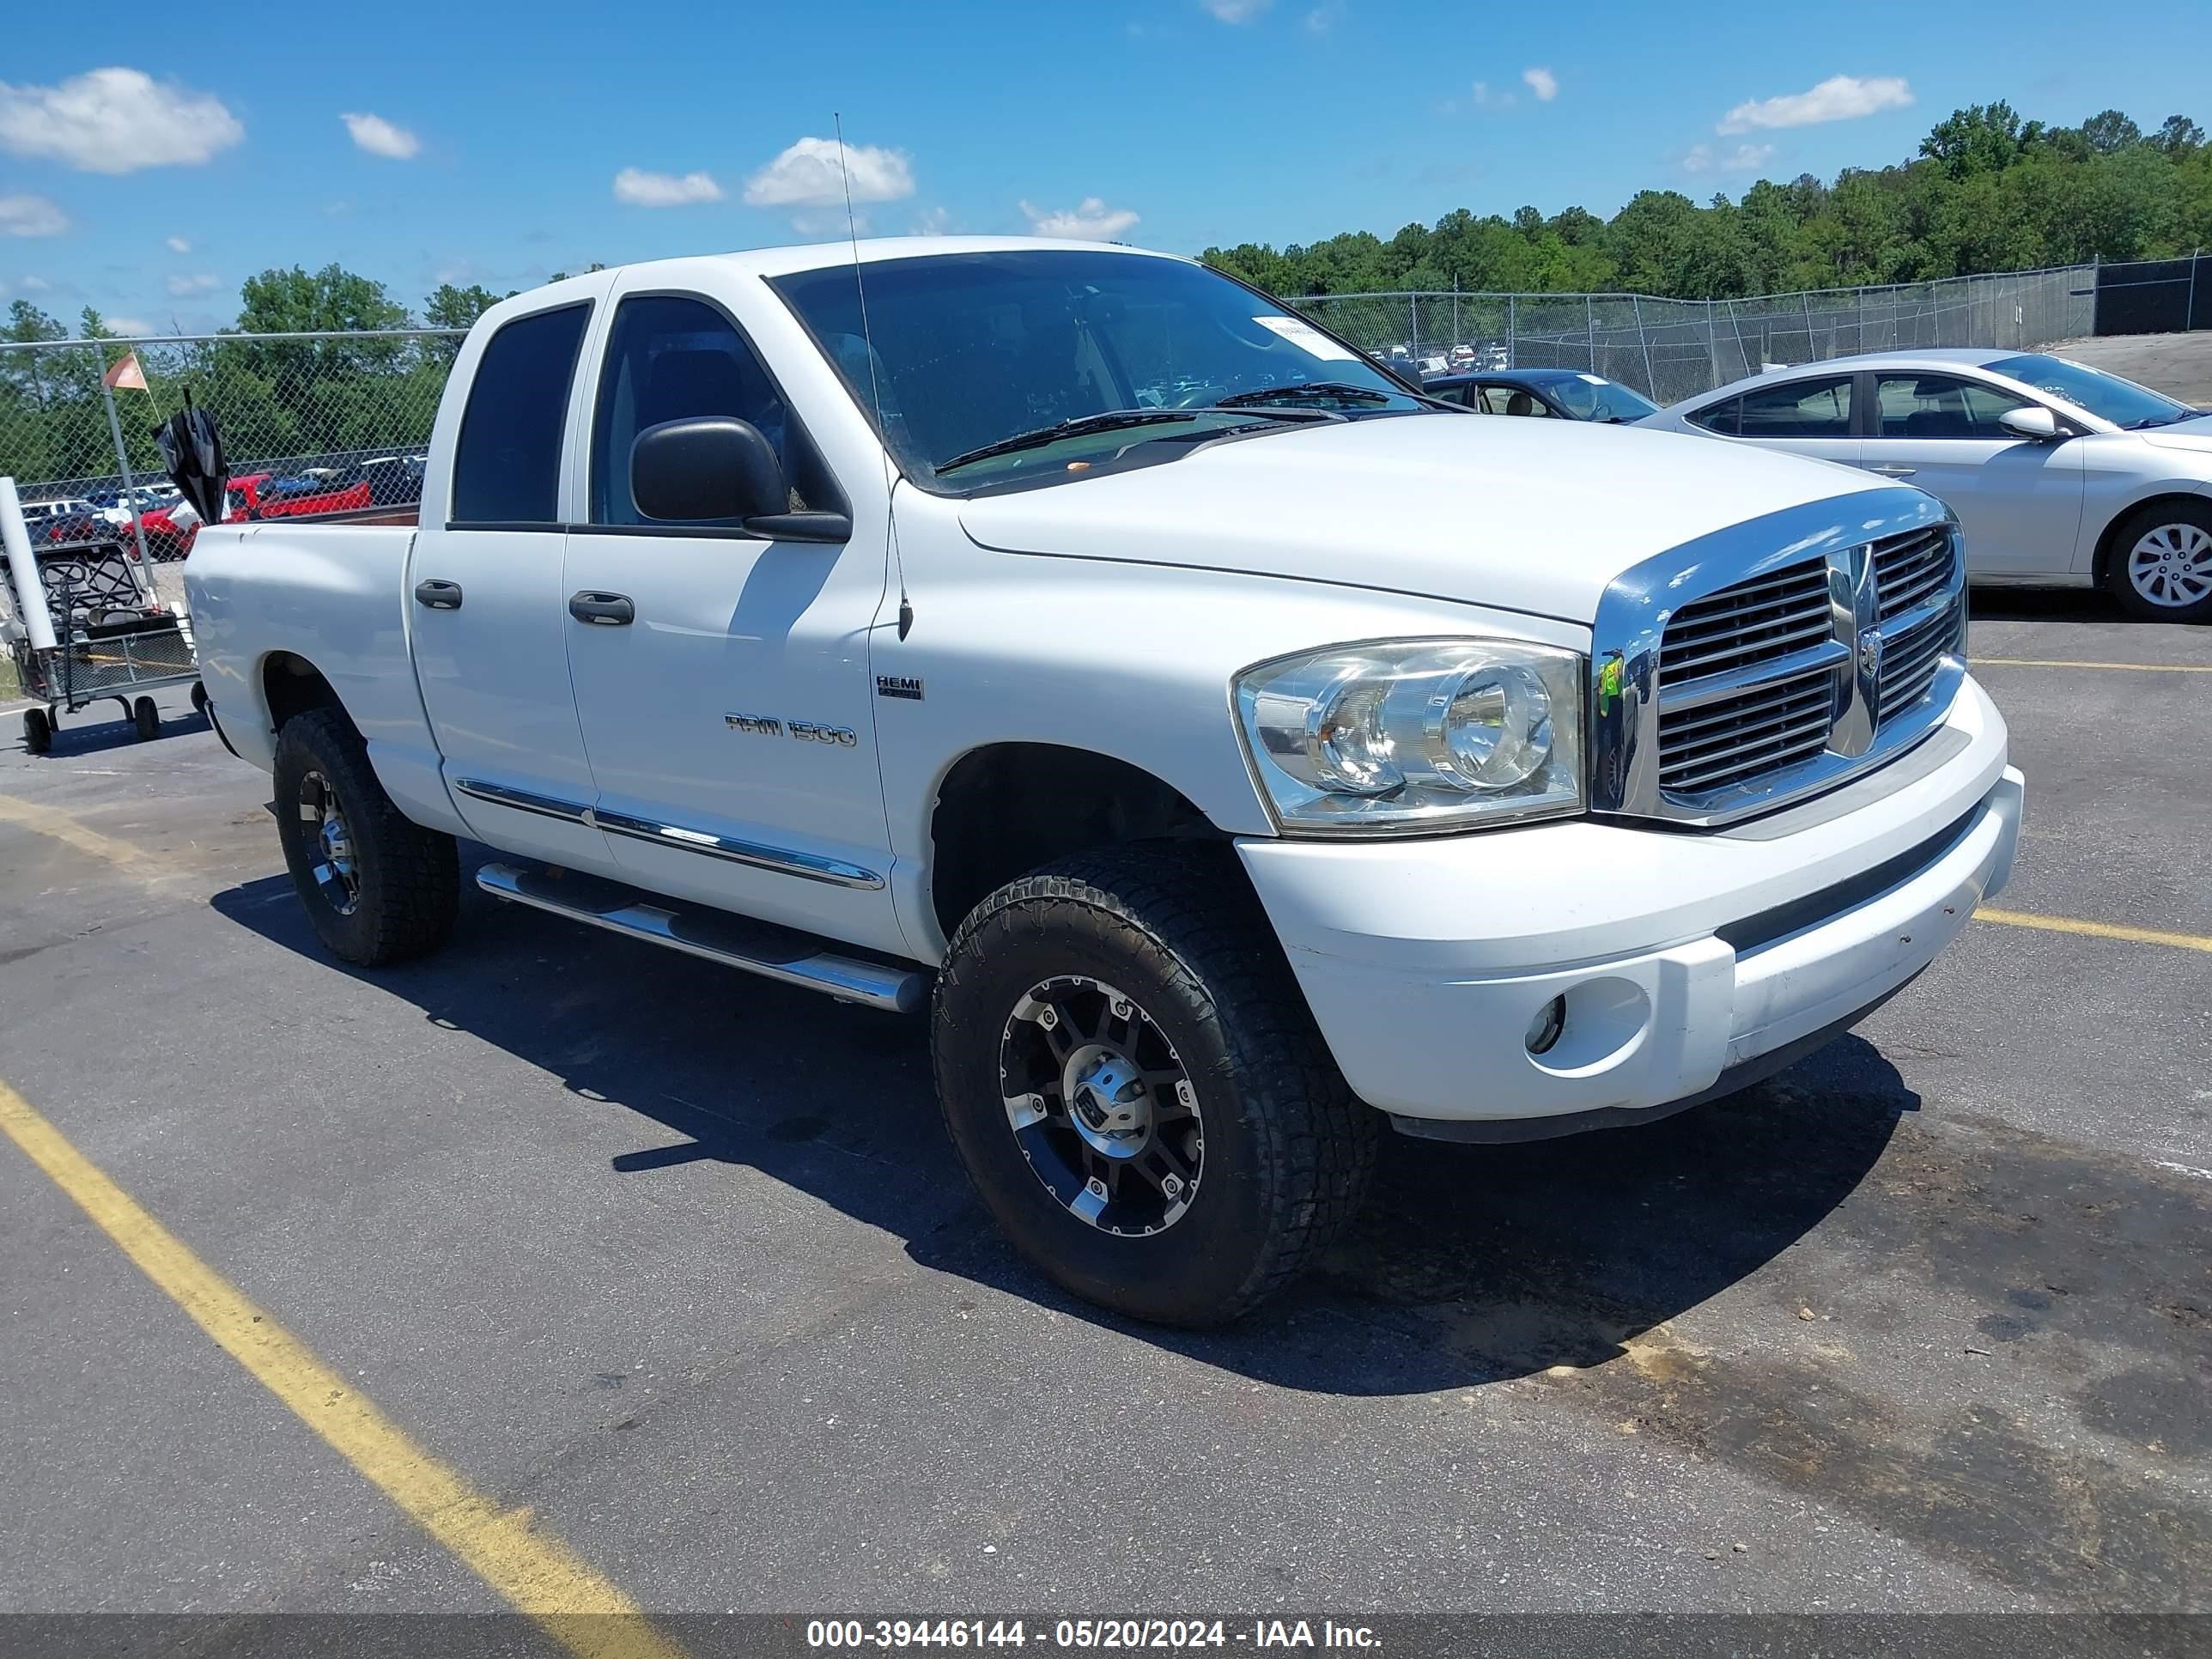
875,382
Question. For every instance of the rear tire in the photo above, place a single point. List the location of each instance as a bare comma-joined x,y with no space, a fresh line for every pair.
378,888
2159,567
38,731
146,719
1240,1153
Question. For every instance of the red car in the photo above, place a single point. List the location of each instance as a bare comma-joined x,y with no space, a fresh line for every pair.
266,496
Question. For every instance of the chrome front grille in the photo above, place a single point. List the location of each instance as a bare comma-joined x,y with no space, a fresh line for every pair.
1910,570
1711,745
1715,698
1914,578
1750,622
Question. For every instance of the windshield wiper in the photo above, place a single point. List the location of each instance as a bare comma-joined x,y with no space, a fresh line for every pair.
1112,420
1343,390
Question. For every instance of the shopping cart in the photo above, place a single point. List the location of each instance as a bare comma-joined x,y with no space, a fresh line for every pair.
110,640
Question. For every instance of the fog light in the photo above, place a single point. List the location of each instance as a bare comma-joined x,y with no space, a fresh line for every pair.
1544,1030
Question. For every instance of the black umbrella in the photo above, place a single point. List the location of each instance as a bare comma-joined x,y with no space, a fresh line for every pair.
192,448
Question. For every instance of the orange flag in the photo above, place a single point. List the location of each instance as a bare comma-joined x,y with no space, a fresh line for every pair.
128,374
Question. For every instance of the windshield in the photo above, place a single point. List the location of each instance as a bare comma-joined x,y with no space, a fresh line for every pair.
974,349
1594,397
2121,402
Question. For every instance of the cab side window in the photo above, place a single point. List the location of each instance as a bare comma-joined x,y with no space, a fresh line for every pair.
507,462
670,358
1940,406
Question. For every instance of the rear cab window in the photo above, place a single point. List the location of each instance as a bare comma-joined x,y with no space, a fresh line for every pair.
507,462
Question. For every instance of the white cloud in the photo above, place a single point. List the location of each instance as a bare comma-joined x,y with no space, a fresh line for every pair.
1236,11
1324,17
639,188
1542,83
31,215
179,287
1487,98
808,175
35,285
179,245
932,221
379,137
129,326
1839,98
1089,220
1743,158
115,120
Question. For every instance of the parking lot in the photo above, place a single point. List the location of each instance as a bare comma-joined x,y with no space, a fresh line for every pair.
680,1264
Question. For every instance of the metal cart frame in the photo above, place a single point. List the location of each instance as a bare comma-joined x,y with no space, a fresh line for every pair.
111,644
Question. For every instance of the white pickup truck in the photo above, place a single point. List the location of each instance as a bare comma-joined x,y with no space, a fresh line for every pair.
1233,749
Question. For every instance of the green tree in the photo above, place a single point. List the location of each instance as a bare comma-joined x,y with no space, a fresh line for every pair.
2109,130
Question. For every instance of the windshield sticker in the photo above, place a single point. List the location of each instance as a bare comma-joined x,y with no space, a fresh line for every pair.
1308,338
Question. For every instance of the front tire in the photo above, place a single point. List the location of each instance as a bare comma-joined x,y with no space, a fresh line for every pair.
2160,565
146,719
378,888
1132,1078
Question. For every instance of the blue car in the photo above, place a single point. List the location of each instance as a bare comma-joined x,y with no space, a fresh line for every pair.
1569,394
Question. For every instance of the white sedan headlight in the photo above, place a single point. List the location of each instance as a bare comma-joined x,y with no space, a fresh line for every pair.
1418,735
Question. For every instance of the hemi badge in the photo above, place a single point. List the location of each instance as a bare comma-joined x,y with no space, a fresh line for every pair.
899,685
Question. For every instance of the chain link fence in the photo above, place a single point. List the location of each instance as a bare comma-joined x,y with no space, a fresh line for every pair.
1669,349
311,422
316,422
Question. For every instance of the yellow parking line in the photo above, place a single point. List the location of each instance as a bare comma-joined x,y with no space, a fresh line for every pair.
537,1574
2094,929
2061,662
61,827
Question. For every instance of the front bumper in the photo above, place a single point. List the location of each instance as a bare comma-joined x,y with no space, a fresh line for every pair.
1680,956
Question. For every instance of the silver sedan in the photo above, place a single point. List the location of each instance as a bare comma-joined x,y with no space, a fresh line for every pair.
2059,473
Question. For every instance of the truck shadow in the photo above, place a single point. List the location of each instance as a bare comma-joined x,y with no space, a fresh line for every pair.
1471,1263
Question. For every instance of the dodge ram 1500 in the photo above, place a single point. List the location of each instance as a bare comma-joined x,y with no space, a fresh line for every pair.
1238,753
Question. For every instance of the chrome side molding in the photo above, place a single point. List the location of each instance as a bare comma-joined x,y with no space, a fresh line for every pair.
523,801
778,953
783,860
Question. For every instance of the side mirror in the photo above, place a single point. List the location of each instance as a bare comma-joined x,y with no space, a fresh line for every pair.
2034,422
705,468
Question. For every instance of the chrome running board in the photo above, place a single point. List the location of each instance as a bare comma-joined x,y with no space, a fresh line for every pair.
757,947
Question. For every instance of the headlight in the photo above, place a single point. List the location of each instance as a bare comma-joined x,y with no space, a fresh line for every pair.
1416,735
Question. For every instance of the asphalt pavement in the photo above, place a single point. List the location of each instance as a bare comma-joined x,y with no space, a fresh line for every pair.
680,1263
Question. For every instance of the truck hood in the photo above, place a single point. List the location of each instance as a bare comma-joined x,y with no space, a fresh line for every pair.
1531,515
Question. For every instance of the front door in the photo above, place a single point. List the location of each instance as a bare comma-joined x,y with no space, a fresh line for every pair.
2019,502
486,613
722,679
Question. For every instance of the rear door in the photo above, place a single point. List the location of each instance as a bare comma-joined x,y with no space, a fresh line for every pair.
2019,502
485,609
1805,414
721,677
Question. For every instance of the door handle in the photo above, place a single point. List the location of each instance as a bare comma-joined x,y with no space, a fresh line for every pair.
1891,470
606,610
438,596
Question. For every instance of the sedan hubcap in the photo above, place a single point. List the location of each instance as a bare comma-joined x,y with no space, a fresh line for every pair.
1101,1105
337,877
2171,566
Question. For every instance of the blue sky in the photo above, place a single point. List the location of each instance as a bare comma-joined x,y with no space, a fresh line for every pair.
147,174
